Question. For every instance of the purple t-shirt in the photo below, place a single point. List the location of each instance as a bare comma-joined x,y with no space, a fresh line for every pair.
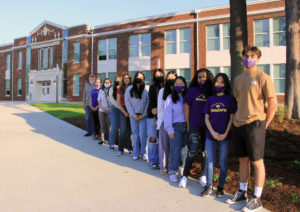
219,108
94,96
196,99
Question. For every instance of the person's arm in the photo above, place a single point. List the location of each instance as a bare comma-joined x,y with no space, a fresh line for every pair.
271,110
187,116
113,101
91,104
209,127
168,122
84,98
120,106
128,103
223,136
146,102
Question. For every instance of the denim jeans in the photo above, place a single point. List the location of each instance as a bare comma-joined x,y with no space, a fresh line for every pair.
96,122
196,141
178,147
139,133
105,125
164,148
89,121
211,148
152,147
114,124
125,132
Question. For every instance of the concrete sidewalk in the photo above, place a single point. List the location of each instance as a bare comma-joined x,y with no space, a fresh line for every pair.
47,165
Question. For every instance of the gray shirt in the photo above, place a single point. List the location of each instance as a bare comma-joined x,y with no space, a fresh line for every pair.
87,93
136,105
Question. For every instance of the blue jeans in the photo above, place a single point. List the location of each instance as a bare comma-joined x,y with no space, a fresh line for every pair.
211,148
89,121
124,132
139,133
196,141
114,124
178,147
152,147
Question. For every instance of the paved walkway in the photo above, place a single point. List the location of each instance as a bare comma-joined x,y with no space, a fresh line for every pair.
47,165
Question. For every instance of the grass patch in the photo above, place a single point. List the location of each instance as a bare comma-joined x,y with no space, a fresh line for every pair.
61,110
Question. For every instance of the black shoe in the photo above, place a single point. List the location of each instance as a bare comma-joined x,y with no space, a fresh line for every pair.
101,142
239,196
88,134
253,205
207,191
154,166
220,192
112,147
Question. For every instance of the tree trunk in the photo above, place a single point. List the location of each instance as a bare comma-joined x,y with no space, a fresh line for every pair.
292,81
238,36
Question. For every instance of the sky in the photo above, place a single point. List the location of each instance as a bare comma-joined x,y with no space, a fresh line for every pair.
19,17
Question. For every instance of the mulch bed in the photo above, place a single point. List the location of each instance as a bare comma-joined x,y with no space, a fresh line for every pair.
282,161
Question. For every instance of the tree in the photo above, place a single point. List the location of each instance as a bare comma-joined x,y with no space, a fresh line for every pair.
238,35
292,80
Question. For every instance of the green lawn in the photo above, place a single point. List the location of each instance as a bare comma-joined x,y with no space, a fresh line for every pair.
61,110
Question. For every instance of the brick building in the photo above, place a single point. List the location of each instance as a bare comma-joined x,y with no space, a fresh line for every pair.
54,61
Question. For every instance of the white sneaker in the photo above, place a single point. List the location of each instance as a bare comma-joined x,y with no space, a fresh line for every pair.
173,178
145,158
203,181
183,182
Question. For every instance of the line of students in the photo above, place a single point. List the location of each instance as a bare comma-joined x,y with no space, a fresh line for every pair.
173,120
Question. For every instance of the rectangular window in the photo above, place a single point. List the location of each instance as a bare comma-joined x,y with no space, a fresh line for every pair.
134,46
20,60
77,52
226,36
40,59
112,76
147,77
265,68
262,33
146,44
185,40
19,91
171,42
51,58
76,85
7,87
213,37
102,49
186,73
279,78
227,70
102,76
279,38
8,62
45,59
214,70
112,48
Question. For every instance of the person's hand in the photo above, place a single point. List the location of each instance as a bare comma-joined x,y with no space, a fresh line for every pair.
154,111
216,135
188,127
222,137
106,111
171,136
140,117
136,118
126,114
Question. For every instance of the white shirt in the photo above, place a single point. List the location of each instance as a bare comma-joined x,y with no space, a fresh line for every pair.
104,99
160,108
113,101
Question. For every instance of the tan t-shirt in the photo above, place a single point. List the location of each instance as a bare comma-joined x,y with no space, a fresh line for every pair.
251,89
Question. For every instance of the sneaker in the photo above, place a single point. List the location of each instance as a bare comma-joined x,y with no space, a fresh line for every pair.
88,134
162,172
203,181
154,166
119,153
144,158
239,196
173,178
135,158
183,182
220,192
207,191
253,205
112,147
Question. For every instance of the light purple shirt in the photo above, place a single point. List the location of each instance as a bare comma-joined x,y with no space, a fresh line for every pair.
173,113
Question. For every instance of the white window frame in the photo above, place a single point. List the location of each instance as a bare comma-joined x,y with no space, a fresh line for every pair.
171,42
7,88
140,46
8,62
75,94
75,49
19,87
45,58
177,41
273,78
183,41
221,70
20,55
221,38
275,32
51,58
107,48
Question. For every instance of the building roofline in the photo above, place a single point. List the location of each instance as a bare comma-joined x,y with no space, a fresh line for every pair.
47,22
6,44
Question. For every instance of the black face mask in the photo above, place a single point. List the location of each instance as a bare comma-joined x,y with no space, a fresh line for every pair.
138,80
160,79
171,81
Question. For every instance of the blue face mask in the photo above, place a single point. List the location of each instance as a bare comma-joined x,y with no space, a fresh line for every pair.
201,84
219,89
179,88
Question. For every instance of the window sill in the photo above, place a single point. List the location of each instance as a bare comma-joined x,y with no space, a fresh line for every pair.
76,62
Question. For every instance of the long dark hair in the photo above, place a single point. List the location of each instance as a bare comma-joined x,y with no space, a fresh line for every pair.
115,89
227,86
157,85
168,87
209,84
175,95
135,90
123,85
104,82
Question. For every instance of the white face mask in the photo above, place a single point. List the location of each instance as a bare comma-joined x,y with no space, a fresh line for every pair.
106,85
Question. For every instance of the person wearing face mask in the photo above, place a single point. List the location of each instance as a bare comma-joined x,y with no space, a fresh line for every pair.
201,87
86,104
257,104
104,105
158,82
136,101
94,107
176,127
114,112
219,110
164,141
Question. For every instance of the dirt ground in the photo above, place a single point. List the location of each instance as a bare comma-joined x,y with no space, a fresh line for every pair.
282,161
